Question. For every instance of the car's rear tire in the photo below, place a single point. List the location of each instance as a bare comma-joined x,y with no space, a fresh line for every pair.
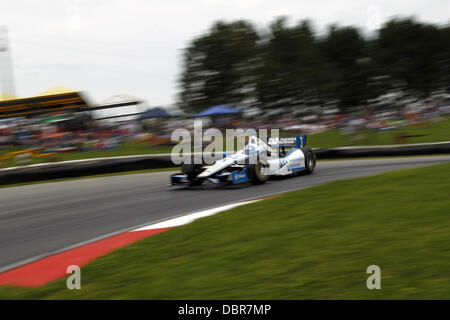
310,160
257,173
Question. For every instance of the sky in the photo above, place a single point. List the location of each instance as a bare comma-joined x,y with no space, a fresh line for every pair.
134,47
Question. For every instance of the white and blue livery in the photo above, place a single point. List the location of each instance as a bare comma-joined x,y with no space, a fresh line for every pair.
255,163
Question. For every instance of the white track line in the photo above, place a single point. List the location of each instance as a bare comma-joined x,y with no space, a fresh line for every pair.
191,217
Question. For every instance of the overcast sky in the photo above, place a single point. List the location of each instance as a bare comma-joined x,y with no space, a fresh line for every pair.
109,47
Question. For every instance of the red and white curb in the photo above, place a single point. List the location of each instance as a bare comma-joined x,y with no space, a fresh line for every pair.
53,267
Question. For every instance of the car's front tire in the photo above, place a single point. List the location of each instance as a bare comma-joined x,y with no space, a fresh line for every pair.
191,170
258,172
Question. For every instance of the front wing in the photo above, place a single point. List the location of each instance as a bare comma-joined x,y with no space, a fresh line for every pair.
235,176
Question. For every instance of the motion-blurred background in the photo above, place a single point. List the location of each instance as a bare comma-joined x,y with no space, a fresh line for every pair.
372,74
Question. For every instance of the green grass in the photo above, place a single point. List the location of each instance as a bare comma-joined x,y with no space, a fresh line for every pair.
125,149
311,244
429,132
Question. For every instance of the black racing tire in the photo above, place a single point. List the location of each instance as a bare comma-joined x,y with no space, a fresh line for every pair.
310,160
255,172
192,170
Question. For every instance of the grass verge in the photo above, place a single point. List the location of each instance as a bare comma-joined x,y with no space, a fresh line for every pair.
311,244
425,133
125,149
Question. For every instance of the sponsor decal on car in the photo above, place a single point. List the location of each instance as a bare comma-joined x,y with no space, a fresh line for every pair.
283,162
239,176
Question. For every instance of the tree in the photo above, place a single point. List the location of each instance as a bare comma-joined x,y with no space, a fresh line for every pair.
346,53
291,66
289,69
442,80
412,54
219,67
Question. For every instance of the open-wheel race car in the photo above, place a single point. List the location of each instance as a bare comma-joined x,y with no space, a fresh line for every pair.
256,162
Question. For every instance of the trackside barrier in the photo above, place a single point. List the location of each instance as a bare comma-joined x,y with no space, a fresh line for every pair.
73,170
80,168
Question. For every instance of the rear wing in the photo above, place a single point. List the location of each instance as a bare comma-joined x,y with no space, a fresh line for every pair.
299,141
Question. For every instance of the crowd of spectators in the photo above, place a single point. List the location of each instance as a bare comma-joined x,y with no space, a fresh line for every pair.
63,136
71,135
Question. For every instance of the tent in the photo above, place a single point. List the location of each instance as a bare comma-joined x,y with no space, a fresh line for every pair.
155,113
218,110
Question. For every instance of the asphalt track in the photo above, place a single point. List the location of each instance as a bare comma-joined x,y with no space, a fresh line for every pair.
38,220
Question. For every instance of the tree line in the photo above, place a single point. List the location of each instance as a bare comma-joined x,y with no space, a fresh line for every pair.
236,64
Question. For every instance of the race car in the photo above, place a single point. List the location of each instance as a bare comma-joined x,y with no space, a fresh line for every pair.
256,162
